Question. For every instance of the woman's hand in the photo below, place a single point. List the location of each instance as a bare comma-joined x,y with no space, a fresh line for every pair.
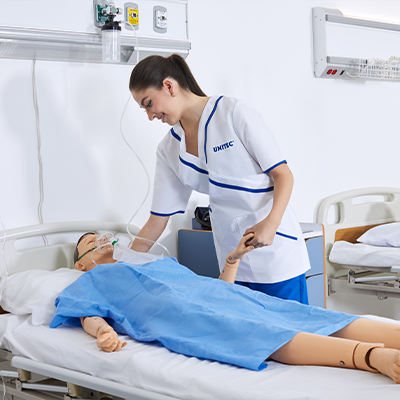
263,233
107,339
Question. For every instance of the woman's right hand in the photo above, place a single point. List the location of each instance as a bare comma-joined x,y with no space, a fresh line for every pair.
107,339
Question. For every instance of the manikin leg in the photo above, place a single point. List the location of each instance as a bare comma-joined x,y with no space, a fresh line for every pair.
366,330
311,349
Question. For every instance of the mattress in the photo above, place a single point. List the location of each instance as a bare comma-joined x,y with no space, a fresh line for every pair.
156,369
359,254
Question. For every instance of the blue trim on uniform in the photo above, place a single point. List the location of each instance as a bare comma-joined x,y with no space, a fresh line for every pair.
195,167
291,289
175,135
286,236
244,189
274,166
208,121
167,215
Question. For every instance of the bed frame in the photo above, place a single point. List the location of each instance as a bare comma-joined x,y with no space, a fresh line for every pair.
29,379
356,212
33,380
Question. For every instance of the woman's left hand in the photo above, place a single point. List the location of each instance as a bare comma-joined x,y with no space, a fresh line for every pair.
264,233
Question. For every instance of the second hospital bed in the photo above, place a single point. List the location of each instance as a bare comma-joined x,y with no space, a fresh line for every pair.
354,268
68,358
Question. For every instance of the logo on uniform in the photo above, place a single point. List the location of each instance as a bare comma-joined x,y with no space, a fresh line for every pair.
223,146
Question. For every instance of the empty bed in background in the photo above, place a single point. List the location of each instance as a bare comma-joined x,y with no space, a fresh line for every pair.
361,269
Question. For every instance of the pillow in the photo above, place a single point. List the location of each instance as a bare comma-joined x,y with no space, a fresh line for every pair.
383,235
35,291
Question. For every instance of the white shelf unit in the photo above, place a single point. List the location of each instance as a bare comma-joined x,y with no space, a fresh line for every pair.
373,38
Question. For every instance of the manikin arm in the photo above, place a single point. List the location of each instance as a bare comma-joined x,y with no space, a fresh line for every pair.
107,338
231,266
152,230
266,229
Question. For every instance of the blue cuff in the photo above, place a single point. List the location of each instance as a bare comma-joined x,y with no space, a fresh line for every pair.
167,215
274,166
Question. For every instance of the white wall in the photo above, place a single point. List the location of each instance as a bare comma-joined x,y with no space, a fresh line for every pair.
336,135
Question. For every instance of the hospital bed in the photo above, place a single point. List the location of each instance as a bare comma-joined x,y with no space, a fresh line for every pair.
68,361
353,267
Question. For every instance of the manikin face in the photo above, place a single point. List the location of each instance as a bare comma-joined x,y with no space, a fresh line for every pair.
86,262
160,104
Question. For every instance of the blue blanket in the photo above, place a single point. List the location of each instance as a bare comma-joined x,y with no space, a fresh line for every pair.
165,302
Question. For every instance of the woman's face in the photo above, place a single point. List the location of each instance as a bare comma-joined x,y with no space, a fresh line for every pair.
160,104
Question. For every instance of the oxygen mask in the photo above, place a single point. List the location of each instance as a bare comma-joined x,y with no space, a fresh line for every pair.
104,244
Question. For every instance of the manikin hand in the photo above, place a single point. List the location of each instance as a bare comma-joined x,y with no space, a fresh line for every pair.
241,250
107,339
231,266
264,232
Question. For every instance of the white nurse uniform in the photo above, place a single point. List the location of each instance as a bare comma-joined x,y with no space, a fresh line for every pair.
236,151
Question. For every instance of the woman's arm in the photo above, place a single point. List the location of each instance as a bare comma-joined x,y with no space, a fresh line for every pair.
107,338
231,266
152,230
265,230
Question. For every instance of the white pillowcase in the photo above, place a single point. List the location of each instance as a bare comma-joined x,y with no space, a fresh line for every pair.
364,255
35,291
387,235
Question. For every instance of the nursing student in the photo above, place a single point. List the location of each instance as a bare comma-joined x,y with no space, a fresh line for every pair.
222,147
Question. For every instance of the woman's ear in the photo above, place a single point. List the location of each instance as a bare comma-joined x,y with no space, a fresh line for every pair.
169,86
79,266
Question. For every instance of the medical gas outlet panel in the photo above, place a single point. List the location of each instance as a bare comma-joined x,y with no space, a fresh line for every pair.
94,31
164,19
130,13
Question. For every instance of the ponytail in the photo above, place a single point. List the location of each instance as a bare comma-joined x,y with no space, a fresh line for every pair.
152,71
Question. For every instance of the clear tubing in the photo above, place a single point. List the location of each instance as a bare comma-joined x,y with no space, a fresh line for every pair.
147,192
39,144
137,41
104,244
139,159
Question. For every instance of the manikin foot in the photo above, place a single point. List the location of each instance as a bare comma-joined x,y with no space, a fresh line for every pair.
387,362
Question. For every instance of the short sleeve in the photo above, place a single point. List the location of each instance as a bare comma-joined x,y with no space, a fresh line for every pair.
170,195
256,137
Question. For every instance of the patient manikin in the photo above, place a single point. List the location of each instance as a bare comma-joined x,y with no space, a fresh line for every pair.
363,344
106,246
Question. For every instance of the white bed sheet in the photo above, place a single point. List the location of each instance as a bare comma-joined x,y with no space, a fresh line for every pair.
156,369
364,255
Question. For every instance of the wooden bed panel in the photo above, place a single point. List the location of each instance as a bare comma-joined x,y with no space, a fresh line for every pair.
352,234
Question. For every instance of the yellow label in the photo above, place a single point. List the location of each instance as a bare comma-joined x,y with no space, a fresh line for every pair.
133,14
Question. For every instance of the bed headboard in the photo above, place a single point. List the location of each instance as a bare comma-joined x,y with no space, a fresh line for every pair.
52,256
355,215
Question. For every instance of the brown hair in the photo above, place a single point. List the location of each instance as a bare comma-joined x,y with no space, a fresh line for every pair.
76,252
151,72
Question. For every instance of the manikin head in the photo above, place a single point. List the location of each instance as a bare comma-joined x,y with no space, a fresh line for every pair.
162,85
86,244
